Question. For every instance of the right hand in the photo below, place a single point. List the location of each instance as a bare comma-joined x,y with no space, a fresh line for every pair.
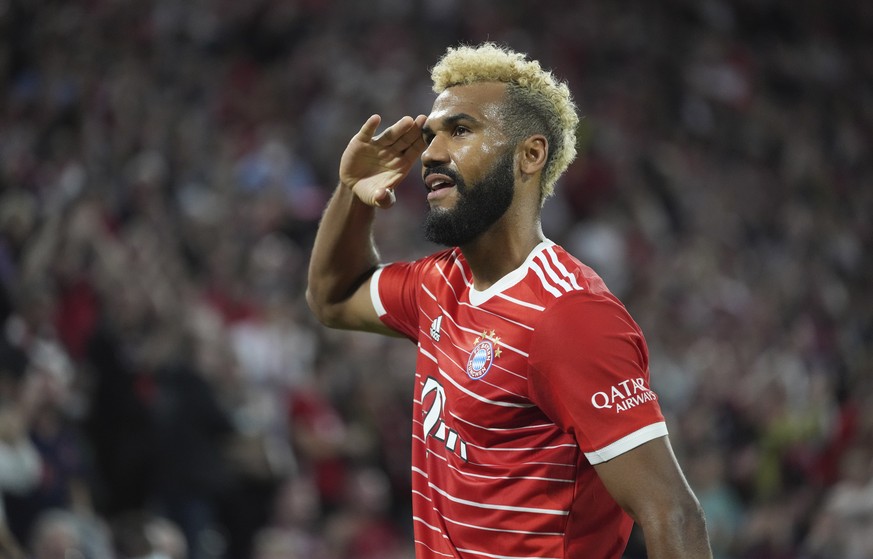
371,166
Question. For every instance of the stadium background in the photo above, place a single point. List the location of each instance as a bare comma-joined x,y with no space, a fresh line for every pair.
163,165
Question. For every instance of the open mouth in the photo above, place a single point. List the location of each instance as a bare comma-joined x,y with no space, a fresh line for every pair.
437,181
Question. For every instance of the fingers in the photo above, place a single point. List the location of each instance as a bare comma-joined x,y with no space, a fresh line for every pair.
413,135
400,135
369,128
406,126
418,143
395,134
374,163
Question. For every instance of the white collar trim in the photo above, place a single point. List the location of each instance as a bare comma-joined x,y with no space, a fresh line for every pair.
479,297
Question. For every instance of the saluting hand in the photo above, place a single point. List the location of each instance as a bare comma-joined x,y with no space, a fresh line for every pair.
373,165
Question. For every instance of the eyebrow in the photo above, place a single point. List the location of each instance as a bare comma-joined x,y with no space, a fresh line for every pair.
449,121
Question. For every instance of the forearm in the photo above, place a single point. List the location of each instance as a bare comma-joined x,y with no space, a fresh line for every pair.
343,255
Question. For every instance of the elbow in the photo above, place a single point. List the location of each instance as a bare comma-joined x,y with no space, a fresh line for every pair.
316,306
681,530
689,517
693,531
684,516
325,313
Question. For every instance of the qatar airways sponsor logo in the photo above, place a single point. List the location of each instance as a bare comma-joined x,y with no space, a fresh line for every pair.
623,396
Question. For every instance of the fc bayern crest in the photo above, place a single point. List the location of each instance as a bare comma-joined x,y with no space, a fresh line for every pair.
482,356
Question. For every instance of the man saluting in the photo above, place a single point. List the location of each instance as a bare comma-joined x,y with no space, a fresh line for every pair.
535,431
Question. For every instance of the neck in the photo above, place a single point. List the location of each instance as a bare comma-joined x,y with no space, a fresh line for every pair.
499,251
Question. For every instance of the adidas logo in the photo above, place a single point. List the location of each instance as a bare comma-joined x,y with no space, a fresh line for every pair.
435,328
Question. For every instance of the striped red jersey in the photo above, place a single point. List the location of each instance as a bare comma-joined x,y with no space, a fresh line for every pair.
519,390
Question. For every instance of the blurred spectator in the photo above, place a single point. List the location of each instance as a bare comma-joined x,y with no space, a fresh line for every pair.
707,472
844,525
294,528
191,471
166,538
140,535
56,535
46,404
363,528
20,462
61,534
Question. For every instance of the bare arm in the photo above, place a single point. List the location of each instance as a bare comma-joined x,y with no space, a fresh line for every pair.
344,255
648,483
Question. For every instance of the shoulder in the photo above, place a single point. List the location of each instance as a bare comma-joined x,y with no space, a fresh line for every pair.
443,260
588,280
437,263
435,272
585,308
592,313
556,273
553,283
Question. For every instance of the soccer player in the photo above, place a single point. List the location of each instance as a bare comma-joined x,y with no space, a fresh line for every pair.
535,430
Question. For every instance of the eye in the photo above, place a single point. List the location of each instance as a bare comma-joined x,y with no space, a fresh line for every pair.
460,130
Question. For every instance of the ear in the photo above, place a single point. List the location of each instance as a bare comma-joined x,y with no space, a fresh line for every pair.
533,152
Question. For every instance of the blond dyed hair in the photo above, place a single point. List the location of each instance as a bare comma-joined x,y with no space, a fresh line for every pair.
537,102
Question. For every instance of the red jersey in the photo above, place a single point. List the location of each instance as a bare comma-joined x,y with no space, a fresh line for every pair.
519,390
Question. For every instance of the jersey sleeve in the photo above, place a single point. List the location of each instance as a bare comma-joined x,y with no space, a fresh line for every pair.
589,373
394,290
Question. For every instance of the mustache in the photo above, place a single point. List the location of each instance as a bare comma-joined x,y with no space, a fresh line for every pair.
447,171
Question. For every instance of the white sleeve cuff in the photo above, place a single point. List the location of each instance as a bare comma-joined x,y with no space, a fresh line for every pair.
374,293
626,443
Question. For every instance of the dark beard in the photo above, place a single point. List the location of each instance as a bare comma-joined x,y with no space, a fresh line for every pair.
477,209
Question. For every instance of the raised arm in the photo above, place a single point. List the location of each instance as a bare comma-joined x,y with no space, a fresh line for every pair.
344,255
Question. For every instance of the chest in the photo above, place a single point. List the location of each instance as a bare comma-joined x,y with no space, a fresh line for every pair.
473,364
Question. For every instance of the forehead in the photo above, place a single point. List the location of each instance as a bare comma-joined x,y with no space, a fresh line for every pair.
481,101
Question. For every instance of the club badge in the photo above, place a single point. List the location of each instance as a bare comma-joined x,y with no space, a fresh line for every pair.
486,348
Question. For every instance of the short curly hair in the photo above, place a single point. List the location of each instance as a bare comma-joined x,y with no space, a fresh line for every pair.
537,102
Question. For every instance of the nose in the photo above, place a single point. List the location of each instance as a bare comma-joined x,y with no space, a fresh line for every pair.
435,153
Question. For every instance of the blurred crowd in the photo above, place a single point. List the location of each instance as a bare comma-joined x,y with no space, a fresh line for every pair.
164,391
